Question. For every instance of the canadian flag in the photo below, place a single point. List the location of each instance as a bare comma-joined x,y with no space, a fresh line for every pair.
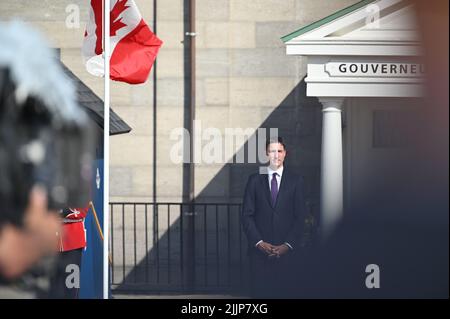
134,47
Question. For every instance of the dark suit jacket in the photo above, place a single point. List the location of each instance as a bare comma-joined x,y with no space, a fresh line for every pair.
283,222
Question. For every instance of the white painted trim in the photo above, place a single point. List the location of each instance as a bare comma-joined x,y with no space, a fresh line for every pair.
361,39
345,48
364,90
400,25
364,80
344,21
321,83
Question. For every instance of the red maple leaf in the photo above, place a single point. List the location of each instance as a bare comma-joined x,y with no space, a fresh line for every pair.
119,7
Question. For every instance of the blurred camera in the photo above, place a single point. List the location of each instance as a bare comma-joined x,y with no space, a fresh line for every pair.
35,149
45,137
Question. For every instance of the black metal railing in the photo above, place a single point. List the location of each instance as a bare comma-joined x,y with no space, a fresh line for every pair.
177,247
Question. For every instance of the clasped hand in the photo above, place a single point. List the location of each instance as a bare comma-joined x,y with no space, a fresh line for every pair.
273,251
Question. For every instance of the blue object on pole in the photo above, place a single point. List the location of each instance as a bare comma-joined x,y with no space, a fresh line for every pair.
91,283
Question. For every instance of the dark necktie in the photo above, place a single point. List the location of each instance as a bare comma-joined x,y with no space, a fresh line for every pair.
274,188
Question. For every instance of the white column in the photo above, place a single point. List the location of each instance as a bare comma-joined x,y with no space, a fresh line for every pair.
331,179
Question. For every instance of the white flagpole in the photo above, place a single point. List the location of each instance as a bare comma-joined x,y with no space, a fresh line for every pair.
106,43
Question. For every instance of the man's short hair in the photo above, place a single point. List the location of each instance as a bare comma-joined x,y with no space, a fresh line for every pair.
276,139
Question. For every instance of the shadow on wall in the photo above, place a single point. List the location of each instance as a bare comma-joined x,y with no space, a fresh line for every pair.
144,263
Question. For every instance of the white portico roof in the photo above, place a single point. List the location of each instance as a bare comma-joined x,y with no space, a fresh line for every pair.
371,48
369,27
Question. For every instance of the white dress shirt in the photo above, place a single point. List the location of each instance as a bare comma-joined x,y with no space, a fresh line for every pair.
279,172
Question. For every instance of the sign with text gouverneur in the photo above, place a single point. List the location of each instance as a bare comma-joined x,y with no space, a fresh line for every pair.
374,69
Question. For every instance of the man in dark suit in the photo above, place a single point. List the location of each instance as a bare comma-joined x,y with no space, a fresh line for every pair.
273,218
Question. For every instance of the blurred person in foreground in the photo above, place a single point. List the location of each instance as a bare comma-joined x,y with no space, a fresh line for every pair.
45,159
22,247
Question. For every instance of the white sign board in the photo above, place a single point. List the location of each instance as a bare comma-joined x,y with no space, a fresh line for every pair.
367,69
